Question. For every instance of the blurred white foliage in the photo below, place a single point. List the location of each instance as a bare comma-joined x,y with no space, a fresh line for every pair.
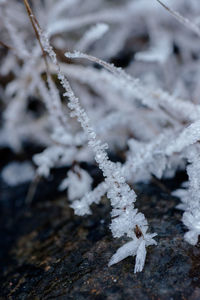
157,53
17,173
129,109
93,34
78,183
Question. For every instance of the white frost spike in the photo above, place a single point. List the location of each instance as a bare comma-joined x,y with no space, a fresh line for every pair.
190,197
136,247
189,136
191,219
129,249
140,257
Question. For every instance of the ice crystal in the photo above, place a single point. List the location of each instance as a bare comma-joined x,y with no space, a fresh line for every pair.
150,111
78,183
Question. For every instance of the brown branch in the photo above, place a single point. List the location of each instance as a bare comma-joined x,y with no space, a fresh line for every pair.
36,24
189,24
6,46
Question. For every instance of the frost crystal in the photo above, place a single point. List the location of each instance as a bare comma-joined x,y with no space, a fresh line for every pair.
150,111
78,183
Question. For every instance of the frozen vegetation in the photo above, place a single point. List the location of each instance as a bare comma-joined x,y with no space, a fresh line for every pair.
60,53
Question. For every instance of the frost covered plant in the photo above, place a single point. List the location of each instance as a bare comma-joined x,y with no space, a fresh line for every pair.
78,183
128,109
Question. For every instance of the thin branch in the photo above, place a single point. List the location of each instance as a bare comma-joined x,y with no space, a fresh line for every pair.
189,24
4,45
34,22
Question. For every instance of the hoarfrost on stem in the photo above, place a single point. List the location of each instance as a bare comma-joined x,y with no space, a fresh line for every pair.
157,131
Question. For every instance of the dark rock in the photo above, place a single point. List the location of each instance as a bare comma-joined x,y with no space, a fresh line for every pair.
52,254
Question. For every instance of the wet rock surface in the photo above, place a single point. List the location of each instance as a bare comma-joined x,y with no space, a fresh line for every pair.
48,253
